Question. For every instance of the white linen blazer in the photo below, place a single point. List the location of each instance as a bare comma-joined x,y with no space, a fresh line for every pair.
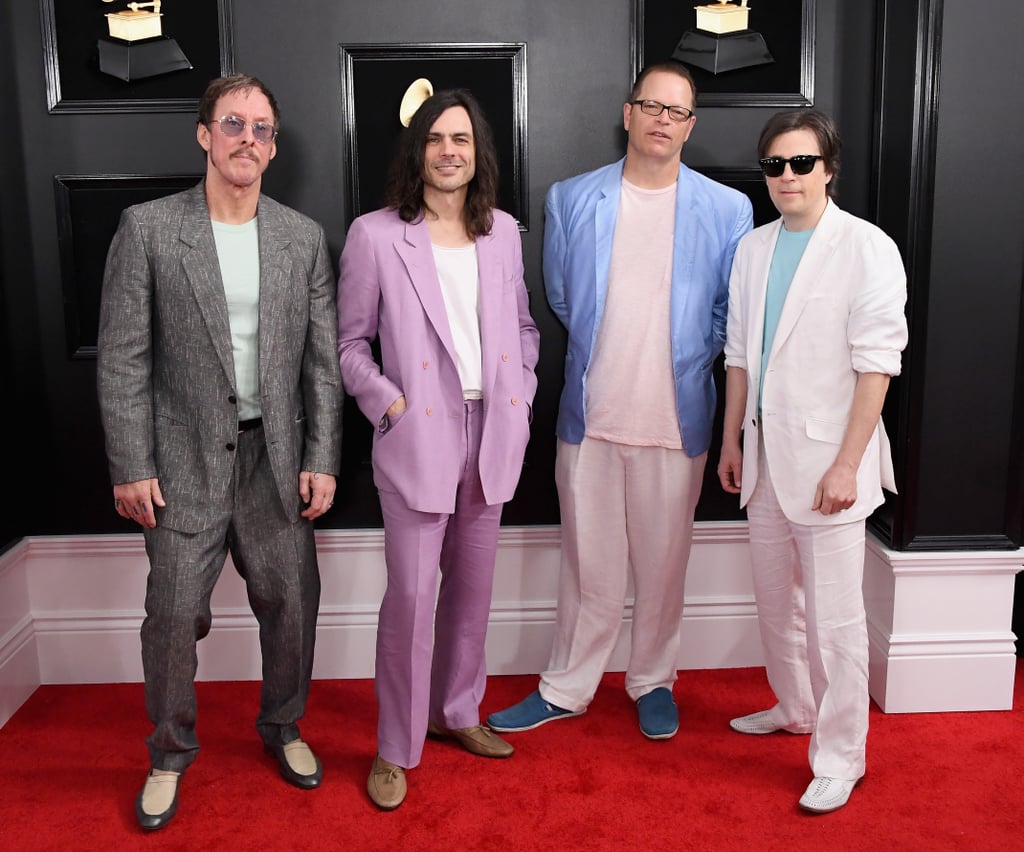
843,315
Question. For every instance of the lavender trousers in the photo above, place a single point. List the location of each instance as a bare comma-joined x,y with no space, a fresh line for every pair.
430,661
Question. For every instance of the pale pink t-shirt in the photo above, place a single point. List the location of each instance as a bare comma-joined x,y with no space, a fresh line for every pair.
630,389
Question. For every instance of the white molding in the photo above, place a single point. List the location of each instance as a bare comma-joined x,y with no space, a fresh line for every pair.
83,596
19,665
938,623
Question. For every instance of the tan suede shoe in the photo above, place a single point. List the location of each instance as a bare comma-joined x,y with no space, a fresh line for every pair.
298,765
478,739
386,784
158,799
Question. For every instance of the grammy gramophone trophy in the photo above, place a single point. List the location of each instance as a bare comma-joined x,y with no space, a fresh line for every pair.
419,90
723,40
137,47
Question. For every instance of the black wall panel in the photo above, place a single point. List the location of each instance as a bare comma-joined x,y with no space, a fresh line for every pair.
951,197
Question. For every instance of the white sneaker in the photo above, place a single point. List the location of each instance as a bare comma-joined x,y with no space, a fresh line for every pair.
825,795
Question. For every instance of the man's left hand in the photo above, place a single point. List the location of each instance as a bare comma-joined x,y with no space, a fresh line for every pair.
316,489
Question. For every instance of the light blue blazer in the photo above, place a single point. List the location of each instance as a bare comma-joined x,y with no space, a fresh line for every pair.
579,225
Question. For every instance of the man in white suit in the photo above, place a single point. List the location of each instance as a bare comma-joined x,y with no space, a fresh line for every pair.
815,331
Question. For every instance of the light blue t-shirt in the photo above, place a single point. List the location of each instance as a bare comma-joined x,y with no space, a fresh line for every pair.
789,248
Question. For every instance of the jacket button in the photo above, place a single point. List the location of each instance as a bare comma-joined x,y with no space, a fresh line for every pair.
504,356
232,399
429,411
229,447
515,400
426,364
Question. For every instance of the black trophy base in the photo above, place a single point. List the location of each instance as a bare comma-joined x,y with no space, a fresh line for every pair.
135,60
727,52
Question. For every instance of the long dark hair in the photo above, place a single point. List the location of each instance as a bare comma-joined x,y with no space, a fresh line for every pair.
404,191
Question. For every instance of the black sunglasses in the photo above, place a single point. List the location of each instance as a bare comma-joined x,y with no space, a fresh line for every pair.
802,164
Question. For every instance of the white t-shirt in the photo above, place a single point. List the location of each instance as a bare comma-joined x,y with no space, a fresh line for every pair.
460,286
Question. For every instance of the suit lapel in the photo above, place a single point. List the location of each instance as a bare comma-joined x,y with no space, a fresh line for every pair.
684,247
761,262
807,281
274,274
491,289
203,271
606,212
415,251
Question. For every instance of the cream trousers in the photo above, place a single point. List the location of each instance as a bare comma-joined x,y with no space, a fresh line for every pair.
626,511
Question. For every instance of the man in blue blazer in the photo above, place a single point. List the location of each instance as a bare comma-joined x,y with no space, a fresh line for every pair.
636,266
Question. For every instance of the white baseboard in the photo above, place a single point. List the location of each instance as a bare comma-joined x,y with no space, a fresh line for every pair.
80,602
87,596
19,658
71,608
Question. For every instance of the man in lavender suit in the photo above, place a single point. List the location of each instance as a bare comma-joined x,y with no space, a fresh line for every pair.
437,275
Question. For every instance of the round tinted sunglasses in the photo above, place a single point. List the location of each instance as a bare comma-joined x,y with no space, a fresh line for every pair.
802,164
232,125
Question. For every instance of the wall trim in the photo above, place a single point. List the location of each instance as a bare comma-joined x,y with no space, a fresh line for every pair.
81,606
19,659
938,623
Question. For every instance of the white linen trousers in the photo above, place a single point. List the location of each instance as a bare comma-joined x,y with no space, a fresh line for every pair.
810,608
622,507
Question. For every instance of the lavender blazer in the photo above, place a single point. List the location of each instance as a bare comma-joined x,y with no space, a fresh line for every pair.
388,288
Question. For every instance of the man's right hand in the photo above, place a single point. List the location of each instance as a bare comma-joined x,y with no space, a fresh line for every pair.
397,407
135,501
730,467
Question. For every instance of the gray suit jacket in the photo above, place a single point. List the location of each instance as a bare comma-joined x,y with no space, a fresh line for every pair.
165,372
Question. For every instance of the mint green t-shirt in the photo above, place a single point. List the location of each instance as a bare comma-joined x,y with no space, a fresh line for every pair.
238,250
789,248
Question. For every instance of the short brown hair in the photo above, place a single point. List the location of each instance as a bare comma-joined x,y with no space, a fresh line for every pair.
670,67
823,128
220,86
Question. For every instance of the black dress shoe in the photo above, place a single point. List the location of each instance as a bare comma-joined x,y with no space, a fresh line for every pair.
157,786
298,752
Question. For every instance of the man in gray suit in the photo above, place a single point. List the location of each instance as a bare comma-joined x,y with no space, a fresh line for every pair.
220,396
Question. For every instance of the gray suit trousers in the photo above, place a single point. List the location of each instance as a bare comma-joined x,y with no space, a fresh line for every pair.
277,560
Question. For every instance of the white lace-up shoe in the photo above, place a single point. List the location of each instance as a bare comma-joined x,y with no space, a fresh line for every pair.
825,795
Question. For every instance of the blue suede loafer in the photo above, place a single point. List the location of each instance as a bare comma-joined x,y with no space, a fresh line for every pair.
659,716
529,713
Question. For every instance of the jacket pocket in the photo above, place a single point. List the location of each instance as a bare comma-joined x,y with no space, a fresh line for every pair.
825,430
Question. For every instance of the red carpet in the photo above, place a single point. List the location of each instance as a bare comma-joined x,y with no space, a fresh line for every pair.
74,758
